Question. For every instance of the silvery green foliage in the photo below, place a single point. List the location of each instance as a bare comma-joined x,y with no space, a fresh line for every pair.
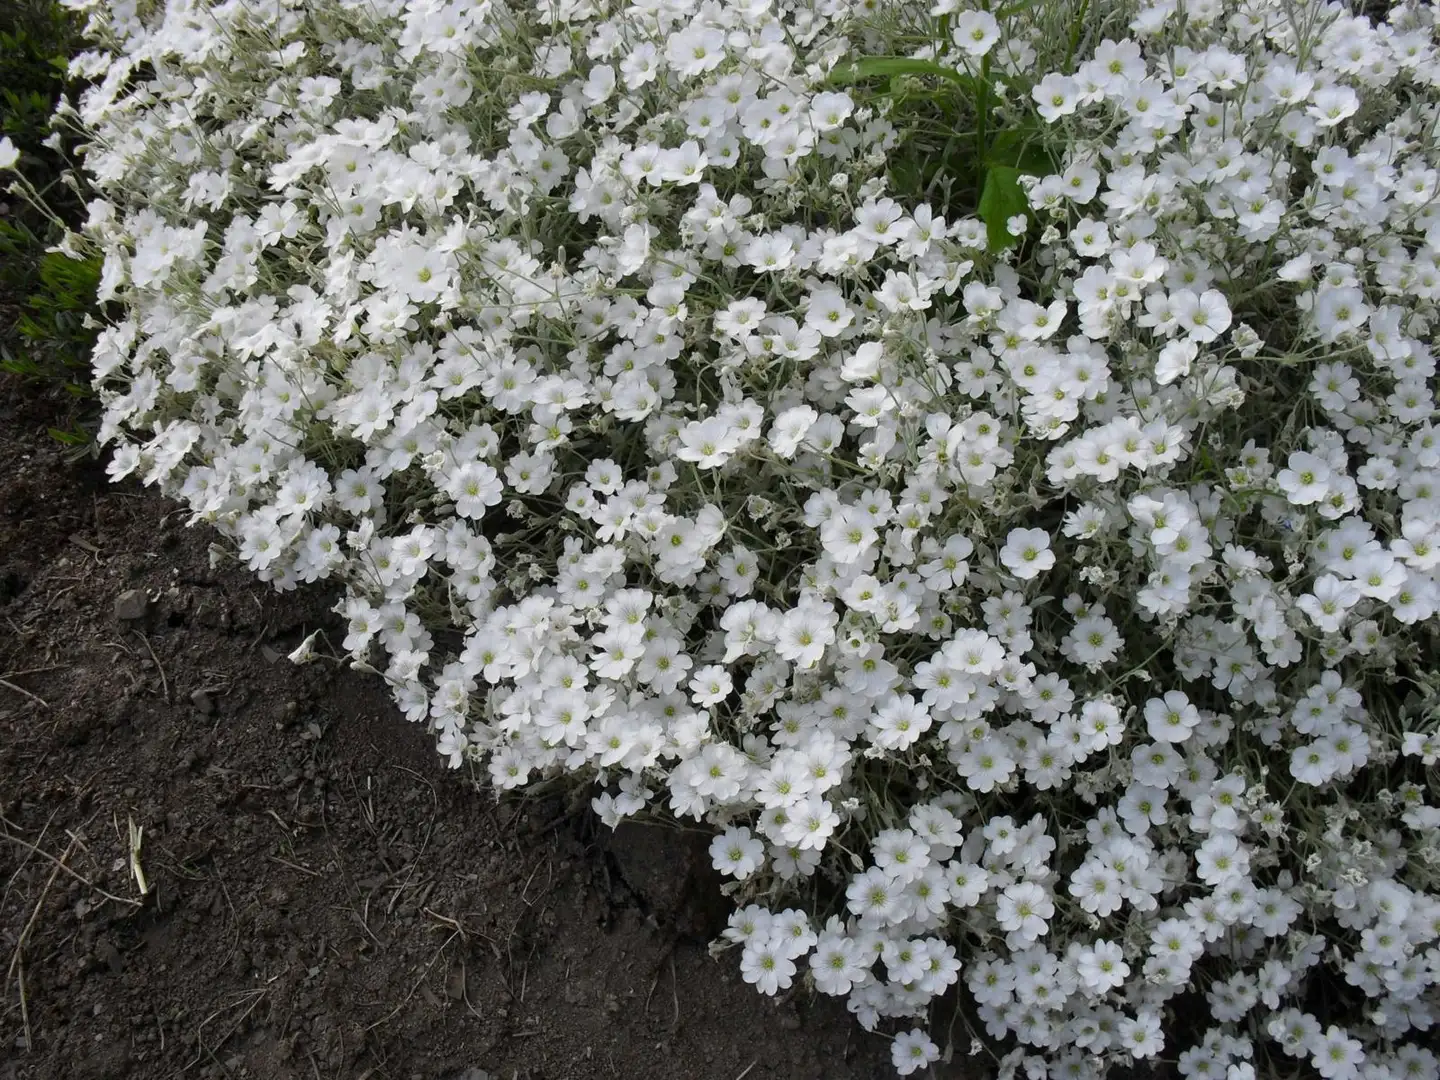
1067,614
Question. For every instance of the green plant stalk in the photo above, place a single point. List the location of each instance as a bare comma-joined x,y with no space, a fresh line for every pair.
1075,35
982,108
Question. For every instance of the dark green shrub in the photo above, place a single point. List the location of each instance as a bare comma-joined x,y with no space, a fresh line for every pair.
44,296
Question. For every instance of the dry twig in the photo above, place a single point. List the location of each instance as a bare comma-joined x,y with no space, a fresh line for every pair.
88,884
24,693
164,682
17,960
418,983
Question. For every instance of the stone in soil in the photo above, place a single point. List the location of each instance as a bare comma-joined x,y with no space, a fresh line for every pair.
131,605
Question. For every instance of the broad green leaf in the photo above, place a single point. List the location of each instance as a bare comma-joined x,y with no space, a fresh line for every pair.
1021,148
890,66
1001,199
906,174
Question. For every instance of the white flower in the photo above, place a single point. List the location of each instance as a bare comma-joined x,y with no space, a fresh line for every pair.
837,965
805,632
1329,602
1204,317
811,822
1141,1035
710,685
1024,908
790,428
1306,479
1314,763
749,925
864,363
1220,858
737,852
848,535
899,722
1335,1055
9,153
1333,105
976,32
708,443
968,883
913,1050
1102,967
830,109
1027,553
1175,360
1055,96
474,486
766,966
1171,718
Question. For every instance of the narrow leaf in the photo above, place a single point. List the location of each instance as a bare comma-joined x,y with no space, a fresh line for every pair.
69,438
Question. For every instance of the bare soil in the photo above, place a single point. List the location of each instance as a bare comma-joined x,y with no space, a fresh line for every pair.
323,897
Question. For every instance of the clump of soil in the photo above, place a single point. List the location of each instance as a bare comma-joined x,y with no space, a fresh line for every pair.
323,898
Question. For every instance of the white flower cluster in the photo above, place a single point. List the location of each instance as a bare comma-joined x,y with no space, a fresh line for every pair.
1053,616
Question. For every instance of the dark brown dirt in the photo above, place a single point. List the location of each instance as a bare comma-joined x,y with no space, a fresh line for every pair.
324,898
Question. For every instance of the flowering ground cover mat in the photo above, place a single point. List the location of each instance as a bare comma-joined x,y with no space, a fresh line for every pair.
978,462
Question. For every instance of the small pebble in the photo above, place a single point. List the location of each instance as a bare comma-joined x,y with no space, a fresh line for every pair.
131,605
203,702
